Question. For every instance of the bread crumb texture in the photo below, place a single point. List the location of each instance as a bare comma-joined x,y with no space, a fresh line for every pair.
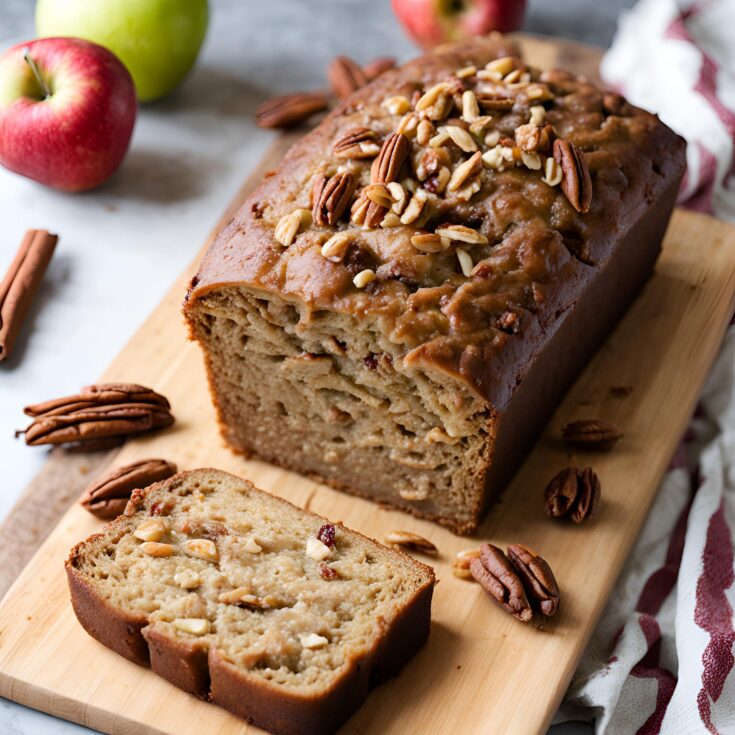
237,577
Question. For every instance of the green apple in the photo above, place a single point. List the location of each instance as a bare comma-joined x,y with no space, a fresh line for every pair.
158,40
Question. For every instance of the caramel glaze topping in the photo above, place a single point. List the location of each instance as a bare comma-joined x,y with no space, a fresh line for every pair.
538,251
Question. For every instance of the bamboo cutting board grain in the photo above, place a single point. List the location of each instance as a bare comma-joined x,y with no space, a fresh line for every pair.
482,671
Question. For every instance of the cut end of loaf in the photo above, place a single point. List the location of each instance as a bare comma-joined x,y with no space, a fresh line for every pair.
331,396
227,589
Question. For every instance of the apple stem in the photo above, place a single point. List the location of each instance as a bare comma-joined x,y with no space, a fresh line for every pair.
36,73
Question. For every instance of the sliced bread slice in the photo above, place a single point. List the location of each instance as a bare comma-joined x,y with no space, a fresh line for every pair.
242,598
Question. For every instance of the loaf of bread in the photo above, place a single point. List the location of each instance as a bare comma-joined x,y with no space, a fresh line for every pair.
242,598
397,309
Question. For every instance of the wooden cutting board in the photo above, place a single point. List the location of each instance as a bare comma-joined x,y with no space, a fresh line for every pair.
481,671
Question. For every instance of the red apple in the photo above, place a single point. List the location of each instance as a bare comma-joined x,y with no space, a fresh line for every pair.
430,22
67,111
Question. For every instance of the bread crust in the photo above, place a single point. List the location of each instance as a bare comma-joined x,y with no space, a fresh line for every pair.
206,673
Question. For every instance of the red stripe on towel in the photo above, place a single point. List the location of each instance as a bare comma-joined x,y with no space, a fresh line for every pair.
713,613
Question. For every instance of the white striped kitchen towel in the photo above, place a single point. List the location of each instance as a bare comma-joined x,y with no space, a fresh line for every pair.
677,58
662,658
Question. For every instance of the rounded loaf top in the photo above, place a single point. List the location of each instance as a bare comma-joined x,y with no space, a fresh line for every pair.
464,199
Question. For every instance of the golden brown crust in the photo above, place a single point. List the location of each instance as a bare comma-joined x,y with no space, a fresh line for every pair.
207,673
112,627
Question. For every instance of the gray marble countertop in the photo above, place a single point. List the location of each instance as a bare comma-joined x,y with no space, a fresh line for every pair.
122,245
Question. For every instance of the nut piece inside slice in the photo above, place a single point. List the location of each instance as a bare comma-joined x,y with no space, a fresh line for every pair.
238,595
313,640
153,548
150,530
195,626
187,579
202,548
251,546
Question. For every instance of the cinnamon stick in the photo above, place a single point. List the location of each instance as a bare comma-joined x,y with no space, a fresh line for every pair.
21,283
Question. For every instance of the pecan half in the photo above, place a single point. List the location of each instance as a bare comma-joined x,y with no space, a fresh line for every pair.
576,182
387,165
377,66
95,423
98,412
410,542
574,493
290,109
386,168
97,395
537,578
108,495
331,197
499,579
591,434
345,76
356,143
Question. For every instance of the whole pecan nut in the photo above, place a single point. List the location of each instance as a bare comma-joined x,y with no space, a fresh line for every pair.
591,433
97,417
496,575
108,495
356,143
574,493
97,395
331,197
346,76
290,109
537,578
576,182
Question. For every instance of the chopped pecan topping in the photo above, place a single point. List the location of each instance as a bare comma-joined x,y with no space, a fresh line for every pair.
591,433
576,182
465,171
290,109
345,76
98,413
331,197
356,143
574,493
429,242
494,102
335,248
462,233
